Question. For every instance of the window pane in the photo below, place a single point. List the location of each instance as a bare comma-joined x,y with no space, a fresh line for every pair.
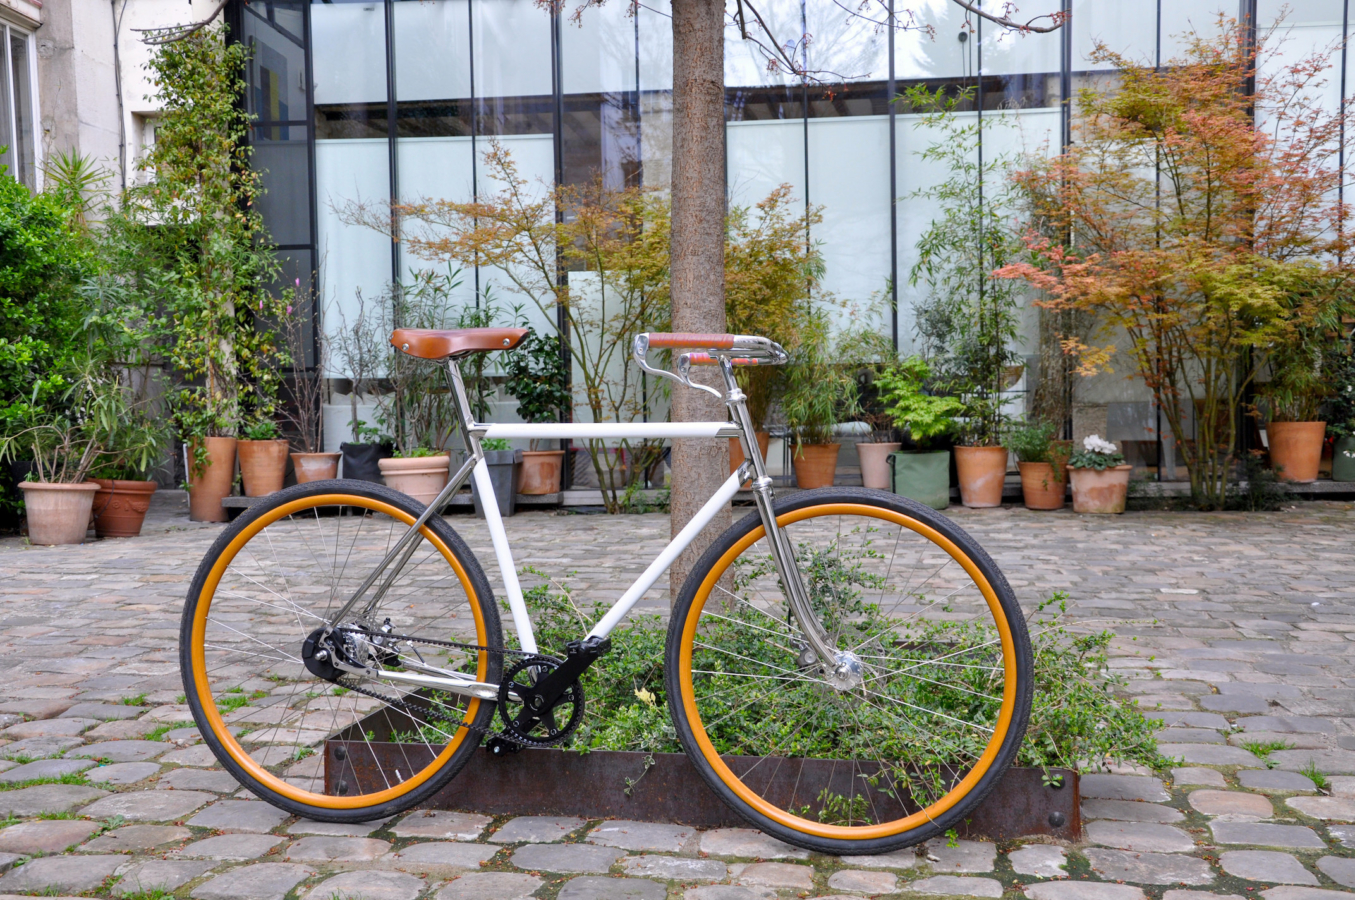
598,54
1180,20
348,43
6,135
656,96
22,150
432,68
277,66
285,164
941,54
1007,51
746,63
1125,28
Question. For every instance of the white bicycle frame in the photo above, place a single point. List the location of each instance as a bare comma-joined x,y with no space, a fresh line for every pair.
747,351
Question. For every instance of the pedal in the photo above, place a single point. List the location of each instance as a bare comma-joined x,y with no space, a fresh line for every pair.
499,747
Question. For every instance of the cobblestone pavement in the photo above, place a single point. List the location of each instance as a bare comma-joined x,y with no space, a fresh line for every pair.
1239,629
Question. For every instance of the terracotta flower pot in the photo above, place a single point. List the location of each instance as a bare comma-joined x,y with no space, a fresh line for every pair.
315,466
263,466
120,507
982,471
208,486
57,513
540,472
1038,487
422,477
875,464
764,440
815,464
1296,449
1100,492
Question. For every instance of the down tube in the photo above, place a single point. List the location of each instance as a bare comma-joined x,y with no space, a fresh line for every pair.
718,500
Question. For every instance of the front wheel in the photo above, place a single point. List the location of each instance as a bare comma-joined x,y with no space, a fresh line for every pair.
901,743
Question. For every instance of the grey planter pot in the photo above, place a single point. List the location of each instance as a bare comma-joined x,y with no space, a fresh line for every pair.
503,474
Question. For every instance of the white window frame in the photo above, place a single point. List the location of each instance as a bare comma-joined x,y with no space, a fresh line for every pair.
7,30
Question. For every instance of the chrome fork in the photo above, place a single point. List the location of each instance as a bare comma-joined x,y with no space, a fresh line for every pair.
843,667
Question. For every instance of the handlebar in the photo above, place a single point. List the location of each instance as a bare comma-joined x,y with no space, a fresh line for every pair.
707,350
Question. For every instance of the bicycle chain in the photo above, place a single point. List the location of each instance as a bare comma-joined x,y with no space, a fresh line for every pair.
412,711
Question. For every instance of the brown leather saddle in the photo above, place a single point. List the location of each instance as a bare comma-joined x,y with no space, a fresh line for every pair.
434,343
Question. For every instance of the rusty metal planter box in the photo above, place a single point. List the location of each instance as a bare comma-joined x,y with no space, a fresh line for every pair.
615,784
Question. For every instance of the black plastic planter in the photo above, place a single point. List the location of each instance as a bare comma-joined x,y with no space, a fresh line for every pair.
361,461
503,474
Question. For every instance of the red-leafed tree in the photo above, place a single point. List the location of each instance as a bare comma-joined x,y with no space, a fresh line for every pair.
1207,269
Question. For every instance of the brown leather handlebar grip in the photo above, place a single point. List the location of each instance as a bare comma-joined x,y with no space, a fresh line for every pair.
705,359
713,341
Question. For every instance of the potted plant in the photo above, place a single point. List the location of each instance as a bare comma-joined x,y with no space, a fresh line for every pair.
881,441
1340,415
922,474
263,458
820,393
306,411
502,462
64,439
135,439
536,379
1041,463
420,472
1100,477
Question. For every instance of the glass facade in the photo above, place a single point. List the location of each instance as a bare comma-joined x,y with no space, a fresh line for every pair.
363,101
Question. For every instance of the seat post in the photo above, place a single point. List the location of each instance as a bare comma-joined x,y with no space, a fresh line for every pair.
463,408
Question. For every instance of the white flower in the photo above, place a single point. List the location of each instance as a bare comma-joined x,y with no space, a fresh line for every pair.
1092,443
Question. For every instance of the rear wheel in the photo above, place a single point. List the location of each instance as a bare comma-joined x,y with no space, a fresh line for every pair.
907,736
275,578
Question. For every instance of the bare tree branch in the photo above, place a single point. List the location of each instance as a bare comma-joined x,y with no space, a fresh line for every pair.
1056,20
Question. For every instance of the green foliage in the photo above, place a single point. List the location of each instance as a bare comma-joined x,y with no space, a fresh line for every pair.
1096,454
967,321
903,389
1031,442
1262,750
196,224
1339,409
495,444
1315,775
1076,716
42,261
265,430
821,390
1260,490
417,453
90,428
537,378
77,182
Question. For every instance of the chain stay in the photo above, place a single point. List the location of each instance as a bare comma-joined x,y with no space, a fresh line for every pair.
348,683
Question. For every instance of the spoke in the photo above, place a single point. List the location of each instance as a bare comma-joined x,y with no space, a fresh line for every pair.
930,712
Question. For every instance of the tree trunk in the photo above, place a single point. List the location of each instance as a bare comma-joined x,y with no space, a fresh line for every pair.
698,255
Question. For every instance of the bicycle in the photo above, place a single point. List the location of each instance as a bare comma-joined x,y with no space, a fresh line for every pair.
835,624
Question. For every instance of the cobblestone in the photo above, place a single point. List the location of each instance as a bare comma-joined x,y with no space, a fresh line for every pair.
1238,658
1266,865
45,837
159,875
1149,868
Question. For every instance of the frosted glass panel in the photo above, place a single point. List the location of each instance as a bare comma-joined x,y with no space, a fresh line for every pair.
1007,52
845,47
432,49
656,45
534,155
914,214
941,54
1180,20
349,46
599,54
352,258
512,49
763,156
849,178
1128,28
745,62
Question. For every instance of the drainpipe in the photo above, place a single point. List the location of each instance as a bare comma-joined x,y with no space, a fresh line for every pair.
117,86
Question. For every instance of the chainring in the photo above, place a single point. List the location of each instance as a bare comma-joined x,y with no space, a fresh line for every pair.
548,731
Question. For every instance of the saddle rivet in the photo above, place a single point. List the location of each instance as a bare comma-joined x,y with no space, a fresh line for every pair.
505,342
405,347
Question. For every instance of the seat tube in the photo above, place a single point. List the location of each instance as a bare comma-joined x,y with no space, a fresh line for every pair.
463,409
783,554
